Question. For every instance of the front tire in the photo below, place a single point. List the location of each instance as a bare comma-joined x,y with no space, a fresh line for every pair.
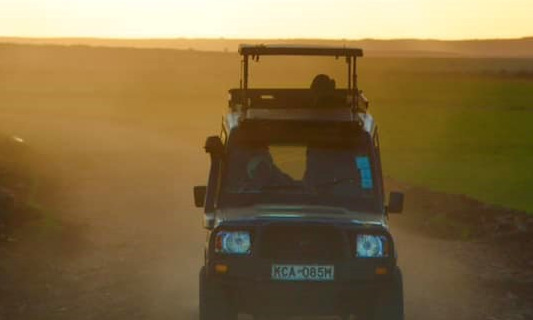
389,302
215,303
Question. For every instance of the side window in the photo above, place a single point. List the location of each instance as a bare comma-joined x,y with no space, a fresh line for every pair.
378,156
223,135
376,140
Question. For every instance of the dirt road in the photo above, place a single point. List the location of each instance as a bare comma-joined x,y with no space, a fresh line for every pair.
131,241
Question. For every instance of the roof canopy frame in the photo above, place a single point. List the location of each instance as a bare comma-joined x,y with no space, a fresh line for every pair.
255,51
289,50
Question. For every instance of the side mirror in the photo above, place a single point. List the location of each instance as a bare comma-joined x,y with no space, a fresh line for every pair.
395,202
214,145
199,196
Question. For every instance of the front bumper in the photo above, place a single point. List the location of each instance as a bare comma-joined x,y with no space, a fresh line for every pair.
248,286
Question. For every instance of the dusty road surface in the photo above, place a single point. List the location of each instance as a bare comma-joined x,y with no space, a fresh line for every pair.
131,241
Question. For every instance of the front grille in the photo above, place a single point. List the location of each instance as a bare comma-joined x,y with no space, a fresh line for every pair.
301,243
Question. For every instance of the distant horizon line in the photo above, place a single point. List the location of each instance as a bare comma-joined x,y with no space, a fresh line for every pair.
257,39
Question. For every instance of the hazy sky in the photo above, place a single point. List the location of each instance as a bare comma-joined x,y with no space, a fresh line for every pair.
351,19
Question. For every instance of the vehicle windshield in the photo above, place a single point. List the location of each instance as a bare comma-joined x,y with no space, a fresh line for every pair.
300,173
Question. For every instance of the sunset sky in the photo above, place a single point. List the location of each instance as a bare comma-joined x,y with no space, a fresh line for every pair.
349,19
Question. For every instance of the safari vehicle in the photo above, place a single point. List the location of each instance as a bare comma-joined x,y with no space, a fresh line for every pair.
294,203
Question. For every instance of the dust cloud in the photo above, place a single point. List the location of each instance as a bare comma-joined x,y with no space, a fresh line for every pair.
127,190
121,133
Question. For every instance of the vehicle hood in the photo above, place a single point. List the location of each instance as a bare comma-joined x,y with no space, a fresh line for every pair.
303,213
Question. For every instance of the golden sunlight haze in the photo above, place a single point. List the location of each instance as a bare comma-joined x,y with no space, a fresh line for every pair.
446,19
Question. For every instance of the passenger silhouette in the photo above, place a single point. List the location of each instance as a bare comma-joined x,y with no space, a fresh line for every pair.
323,89
322,83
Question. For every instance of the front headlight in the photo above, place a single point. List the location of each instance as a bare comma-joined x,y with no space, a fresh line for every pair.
233,242
371,246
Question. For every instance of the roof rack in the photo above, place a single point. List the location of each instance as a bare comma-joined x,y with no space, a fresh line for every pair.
255,51
345,105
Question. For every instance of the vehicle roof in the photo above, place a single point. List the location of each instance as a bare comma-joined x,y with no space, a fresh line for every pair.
233,120
299,50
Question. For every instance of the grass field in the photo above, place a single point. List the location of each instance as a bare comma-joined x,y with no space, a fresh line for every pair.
463,144
456,125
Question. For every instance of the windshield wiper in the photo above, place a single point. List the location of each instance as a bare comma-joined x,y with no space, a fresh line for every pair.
337,181
282,187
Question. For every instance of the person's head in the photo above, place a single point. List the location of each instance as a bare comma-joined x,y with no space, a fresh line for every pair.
322,83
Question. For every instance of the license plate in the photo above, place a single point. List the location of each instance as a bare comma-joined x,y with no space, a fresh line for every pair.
289,272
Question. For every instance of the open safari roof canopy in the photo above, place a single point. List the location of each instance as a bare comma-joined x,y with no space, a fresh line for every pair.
255,51
298,103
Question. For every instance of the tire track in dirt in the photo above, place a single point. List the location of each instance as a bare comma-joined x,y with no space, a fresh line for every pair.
129,192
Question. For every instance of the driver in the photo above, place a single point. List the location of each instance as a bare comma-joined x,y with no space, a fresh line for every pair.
261,171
